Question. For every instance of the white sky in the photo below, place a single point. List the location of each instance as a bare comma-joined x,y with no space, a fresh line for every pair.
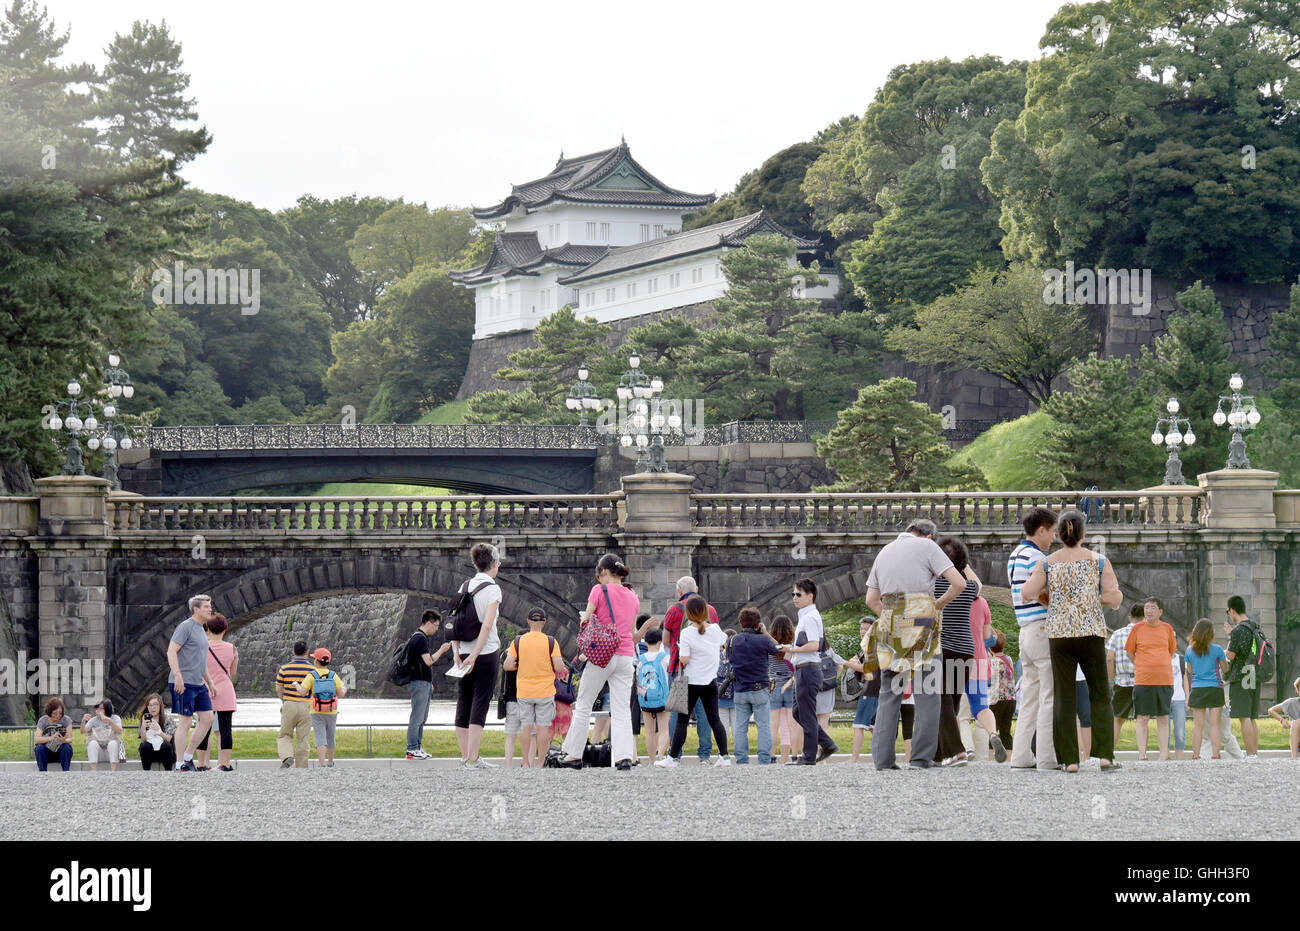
451,101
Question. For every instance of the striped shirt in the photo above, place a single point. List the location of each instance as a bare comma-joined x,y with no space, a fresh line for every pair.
1125,674
290,674
954,633
1024,558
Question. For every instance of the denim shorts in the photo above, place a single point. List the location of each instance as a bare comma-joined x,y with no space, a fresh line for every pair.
779,699
865,716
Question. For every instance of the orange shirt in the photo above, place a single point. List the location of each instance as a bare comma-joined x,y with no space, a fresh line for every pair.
1151,648
536,678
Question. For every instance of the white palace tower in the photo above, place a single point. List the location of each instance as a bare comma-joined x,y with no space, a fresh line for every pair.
604,235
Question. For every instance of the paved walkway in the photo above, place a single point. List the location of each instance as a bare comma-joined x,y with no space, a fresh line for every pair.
1152,800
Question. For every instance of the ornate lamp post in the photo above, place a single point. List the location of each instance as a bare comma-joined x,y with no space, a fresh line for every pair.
114,435
1238,419
78,416
643,427
582,396
1177,432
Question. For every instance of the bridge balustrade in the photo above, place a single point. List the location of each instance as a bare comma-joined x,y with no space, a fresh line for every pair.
386,514
831,512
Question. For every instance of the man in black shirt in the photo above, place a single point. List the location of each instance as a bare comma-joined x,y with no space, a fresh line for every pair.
420,657
1243,690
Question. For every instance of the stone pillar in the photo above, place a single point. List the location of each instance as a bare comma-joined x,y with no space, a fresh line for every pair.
658,536
1241,558
72,550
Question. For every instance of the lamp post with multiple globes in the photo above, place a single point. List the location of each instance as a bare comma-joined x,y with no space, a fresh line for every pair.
114,435
583,395
76,415
1177,432
1238,419
645,422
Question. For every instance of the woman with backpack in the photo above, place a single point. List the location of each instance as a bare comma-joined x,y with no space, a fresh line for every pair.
325,688
608,633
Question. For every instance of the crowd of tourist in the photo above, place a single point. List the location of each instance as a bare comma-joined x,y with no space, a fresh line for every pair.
930,662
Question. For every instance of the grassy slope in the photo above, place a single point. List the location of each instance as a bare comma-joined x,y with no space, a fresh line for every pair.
1007,454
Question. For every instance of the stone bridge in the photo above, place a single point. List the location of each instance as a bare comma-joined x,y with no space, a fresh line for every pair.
85,574
493,459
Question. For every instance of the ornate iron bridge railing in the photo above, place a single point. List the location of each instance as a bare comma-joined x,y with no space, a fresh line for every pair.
452,436
952,511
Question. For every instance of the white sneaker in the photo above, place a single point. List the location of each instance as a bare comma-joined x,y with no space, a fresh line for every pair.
418,754
1252,756
666,763
722,761
479,764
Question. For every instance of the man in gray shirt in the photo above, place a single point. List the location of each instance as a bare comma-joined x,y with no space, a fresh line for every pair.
900,590
187,655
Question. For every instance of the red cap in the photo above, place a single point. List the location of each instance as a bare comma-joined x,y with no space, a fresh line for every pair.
320,654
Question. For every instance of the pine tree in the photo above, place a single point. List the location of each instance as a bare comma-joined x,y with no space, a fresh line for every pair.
885,441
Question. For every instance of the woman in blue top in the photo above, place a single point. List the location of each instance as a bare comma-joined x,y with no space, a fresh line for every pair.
1206,665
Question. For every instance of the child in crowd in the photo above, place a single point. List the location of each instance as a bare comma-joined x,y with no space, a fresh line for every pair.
1151,644
508,705
1206,665
652,691
1178,706
325,688
1002,690
726,694
864,717
1290,708
781,699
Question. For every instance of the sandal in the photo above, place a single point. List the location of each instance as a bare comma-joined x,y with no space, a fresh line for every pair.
1114,765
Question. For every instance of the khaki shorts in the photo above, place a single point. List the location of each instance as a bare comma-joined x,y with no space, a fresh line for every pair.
536,711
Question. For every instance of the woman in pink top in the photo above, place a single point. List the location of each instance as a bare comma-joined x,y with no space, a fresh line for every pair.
223,663
608,592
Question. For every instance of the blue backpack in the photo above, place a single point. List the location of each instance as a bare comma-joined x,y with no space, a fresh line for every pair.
323,692
652,681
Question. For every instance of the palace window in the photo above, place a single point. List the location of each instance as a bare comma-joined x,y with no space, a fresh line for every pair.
645,232
659,231
611,295
588,298
675,280
697,275
653,285
591,230
631,289
604,232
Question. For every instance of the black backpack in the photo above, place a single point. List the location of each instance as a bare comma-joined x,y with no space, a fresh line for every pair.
463,623
401,670
1263,655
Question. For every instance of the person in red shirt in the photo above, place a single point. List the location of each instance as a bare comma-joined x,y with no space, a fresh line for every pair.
1152,645
672,626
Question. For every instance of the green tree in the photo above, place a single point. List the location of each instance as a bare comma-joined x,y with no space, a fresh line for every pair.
735,363
903,190
550,368
407,235
1165,139
1101,428
79,223
999,323
885,441
324,228
776,186
1190,362
1283,366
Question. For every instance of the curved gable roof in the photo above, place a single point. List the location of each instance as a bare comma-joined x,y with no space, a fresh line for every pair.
611,176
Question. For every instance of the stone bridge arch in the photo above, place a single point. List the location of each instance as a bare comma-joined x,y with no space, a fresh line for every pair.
245,595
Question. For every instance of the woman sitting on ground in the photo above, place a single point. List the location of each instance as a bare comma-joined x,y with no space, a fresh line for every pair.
157,735
53,736
104,733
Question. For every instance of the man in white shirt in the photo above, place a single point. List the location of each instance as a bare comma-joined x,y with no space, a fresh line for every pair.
478,658
805,655
1035,710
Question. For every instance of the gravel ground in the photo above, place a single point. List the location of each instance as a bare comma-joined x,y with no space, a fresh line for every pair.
1156,801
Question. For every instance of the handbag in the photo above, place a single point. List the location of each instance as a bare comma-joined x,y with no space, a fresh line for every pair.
598,639
678,701
830,672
